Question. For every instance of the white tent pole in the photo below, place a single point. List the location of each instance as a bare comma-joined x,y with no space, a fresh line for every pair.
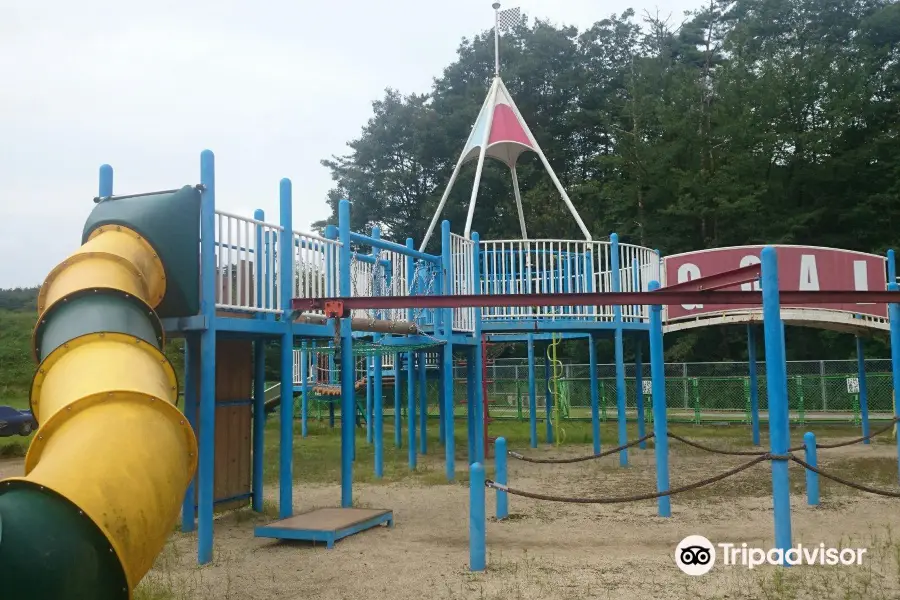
515,181
549,169
481,152
440,207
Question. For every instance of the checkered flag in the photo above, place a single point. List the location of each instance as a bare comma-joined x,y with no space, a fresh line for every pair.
509,18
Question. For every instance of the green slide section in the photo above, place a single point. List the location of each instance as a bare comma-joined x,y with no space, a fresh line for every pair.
171,223
51,552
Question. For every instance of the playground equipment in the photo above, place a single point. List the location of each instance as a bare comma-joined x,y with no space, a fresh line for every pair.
113,456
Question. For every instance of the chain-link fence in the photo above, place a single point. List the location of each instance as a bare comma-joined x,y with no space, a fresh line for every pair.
695,392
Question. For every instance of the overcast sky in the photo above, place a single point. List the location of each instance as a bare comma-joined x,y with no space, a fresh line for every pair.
271,87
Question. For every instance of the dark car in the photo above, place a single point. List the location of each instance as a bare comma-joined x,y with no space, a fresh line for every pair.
16,422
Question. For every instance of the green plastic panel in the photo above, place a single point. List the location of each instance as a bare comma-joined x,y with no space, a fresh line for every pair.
50,552
94,312
171,223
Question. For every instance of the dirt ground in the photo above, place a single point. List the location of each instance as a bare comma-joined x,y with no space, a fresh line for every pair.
551,550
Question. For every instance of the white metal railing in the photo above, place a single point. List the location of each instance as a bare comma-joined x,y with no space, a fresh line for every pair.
316,266
246,264
563,266
462,279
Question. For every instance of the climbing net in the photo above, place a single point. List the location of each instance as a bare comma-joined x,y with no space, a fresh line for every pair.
388,274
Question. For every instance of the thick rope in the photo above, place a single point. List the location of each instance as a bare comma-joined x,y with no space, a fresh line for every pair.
857,440
576,459
858,486
636,497
716,450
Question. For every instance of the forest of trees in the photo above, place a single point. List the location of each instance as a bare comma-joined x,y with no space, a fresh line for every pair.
745,122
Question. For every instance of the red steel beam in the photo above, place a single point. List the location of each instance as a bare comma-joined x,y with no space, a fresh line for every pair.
665,296
719,280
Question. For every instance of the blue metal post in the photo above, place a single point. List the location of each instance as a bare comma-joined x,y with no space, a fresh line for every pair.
207,450
891,266
259,420
286,290
532,393
639,391
398,420
502,478
470,403
619,351
777,393
191,349
863,388
812,478
894,317
595,394
754,384
477,533
548,396
658,386
378,416
411,408
370,366
479,358
447,371
348,372
441,391
106,181
423,405
304,389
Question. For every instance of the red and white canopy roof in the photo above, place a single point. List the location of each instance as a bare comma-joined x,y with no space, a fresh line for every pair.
508,135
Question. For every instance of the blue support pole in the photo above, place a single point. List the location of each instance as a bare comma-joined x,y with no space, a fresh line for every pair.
477,533
658,386
259,420
863,388
447,371
348,372
411,408
619,351
206,459
470,403
754,384
441,391
595,394
502,478
378,414
106,181
304,389
891,266
398,418
777,393
285,291
370,367
812,478
191,349
423,405
532,393
639,391
479,358
894,317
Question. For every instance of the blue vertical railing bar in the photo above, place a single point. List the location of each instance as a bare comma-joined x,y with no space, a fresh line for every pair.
470,403
595,394
377,412
863,388
812,478
548,396
398,418
754,383
777,395
191,349
658,385
348,372
639,390
370,366
207,358
619,350
501,477
423,405
891,266
286,291
447,371
412,284
259,421
304,388
477,519
479,360
894,316
532,394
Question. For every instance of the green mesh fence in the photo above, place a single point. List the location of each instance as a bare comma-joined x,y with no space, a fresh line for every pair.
817,391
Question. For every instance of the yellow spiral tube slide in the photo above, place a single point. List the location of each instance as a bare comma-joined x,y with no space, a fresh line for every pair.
113,455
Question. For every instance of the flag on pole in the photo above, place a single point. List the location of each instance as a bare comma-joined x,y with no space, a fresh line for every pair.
509,18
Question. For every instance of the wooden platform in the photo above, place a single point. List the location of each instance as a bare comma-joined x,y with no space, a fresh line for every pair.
326,524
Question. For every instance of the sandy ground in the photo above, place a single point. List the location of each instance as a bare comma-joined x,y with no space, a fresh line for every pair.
552,550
